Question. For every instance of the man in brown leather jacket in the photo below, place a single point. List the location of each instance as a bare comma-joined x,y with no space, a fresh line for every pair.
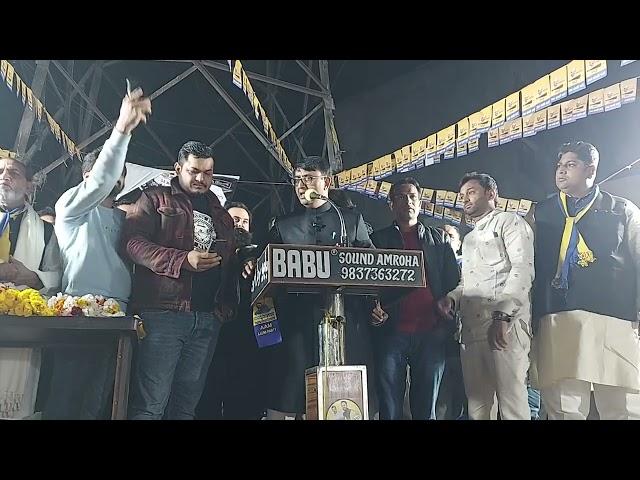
182,242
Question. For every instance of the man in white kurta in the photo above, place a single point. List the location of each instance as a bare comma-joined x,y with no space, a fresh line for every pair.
587,335
27,259
493,302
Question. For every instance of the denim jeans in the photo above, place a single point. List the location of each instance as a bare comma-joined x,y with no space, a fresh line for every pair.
425,355
172,364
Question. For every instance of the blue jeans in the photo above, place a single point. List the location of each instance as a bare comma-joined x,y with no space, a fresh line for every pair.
172,364
425,355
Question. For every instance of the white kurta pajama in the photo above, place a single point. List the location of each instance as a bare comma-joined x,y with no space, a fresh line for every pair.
576,350
497,273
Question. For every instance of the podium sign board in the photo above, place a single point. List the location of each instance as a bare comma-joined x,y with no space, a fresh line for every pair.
347,269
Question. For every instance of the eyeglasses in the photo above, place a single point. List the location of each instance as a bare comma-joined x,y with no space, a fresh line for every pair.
307,179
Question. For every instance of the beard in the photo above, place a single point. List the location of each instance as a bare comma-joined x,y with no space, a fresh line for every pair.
10,198
242,237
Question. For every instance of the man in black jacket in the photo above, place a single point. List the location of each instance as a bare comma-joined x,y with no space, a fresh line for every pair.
409,331
299,315
586,295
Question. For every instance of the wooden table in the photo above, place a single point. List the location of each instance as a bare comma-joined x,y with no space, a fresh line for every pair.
78,331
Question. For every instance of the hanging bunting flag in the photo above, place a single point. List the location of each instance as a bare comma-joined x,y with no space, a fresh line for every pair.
512,205
447,214
595,70
543,93
512,108
628,90
462,128
428,208
501,204
484,122
383,190
459,203
418,153
612,97
39,109
237,74
3,69
24,93
450,142
9,78
474,121
250,93
528,125
505,132
30,99
440,145
456,217
625,62
540,121
450,199
426,194
18,85
499,113
440,197
516,128
438,212
528,99
63,139
256,107
431,150
244,82
558,83
523,207
575,76
371,188
265,120
566,109
493,137
596,102
580,109
474,144
553,116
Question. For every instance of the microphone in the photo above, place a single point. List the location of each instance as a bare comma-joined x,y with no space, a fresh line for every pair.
311,194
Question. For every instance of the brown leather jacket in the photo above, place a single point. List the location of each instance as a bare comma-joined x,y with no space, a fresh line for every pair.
158,236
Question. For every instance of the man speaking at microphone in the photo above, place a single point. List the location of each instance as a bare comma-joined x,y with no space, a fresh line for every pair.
300,314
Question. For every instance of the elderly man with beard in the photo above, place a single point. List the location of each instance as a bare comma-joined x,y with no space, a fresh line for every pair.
29,256
235,387
88,227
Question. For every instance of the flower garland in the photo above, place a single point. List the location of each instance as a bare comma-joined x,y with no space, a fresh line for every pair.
29,302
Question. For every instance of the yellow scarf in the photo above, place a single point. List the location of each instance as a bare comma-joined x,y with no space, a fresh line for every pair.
572,242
